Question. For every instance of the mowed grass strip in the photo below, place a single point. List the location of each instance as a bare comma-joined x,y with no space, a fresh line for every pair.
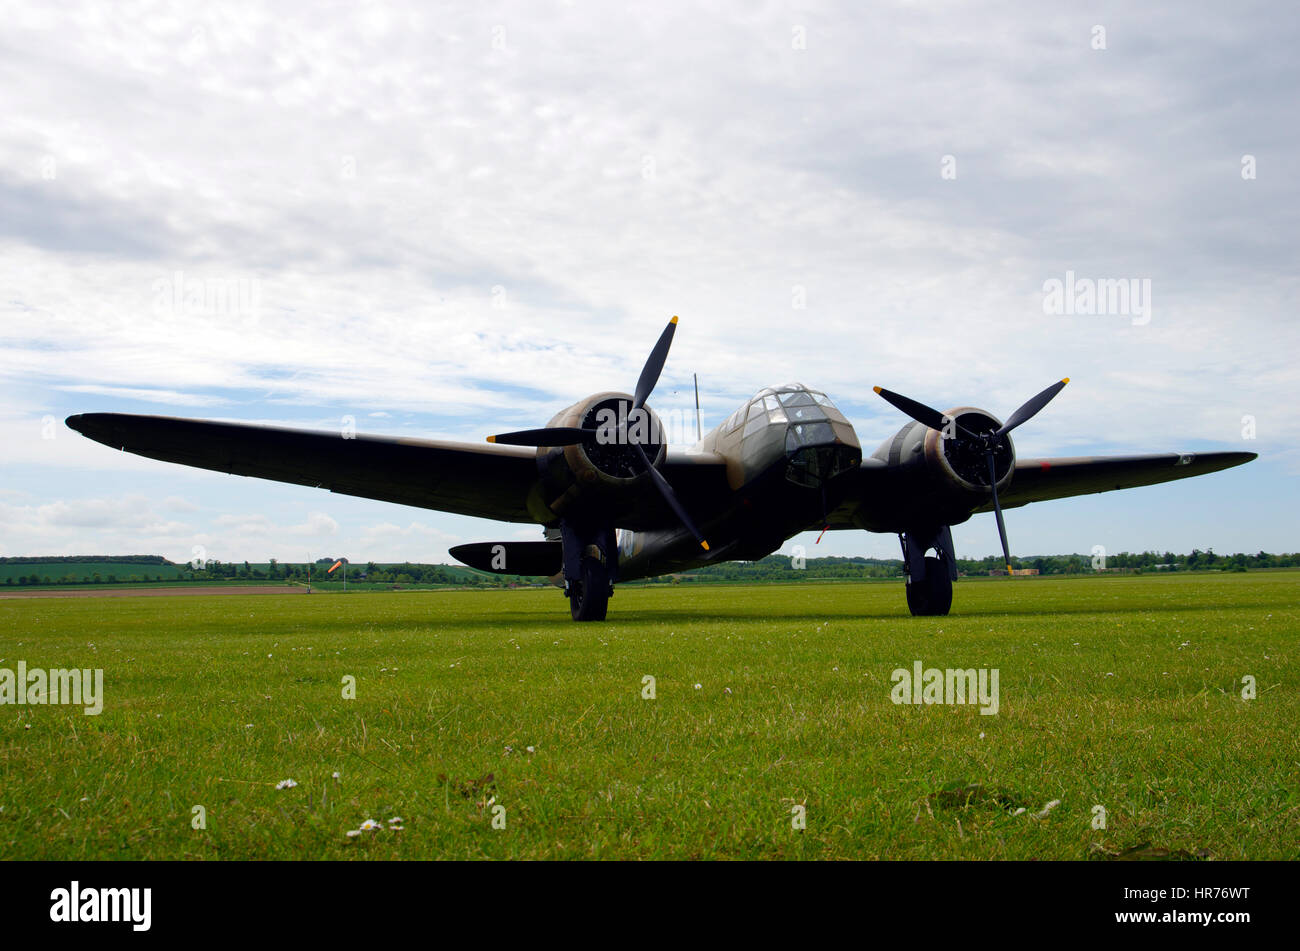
1123,692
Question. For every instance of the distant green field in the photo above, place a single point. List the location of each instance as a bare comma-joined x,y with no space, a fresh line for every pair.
80,570
1123,692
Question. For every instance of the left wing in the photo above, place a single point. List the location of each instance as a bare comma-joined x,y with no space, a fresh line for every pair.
487,480
468,479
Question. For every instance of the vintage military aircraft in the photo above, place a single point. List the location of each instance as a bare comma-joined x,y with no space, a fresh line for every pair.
616,503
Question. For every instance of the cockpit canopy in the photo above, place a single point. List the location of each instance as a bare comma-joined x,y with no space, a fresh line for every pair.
808,413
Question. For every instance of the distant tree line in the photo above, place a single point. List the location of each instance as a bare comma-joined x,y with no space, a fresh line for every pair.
1127,561
62,570
788,568
405,573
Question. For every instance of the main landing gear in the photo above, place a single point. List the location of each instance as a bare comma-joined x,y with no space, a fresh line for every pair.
590,569
929,577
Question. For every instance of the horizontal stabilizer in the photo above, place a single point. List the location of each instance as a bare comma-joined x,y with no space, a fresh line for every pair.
512,558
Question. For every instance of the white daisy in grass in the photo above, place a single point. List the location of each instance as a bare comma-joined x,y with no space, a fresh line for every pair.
1042,814
285,784
370,825
336,775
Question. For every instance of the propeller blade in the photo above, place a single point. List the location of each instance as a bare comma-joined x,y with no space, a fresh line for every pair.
551,436
654,365
1031,408
923,414
997,510
670,497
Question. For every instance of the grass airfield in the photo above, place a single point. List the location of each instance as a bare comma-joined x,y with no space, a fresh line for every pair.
1123,692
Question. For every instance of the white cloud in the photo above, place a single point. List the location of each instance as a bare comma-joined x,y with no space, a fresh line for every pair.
454,221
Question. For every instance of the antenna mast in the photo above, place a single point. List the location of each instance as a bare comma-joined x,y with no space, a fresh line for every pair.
699,426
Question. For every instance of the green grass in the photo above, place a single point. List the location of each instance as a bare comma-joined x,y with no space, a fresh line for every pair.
1121,691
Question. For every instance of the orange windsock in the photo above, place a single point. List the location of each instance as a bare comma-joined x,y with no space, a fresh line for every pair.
333,566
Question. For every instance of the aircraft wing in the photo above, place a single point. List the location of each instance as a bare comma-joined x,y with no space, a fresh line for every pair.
468,479
1038,480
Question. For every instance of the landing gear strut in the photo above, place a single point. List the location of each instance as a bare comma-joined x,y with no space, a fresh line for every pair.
929,578
590,568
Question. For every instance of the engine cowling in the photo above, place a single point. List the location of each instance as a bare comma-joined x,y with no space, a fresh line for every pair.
608,466
960,463
942,478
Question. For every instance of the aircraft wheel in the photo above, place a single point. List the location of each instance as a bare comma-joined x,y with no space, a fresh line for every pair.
589,594
932,595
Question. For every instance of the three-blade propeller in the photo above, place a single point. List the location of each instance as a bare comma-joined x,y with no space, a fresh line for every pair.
557,436
985,442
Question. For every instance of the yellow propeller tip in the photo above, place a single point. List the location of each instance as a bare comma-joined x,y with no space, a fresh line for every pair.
1066,380
674,320
492,439
876,389
704,545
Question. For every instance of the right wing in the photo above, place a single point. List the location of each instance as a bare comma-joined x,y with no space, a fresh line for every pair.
875,499
1038,480
484,480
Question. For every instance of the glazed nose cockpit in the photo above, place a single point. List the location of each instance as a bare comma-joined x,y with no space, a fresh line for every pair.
817,440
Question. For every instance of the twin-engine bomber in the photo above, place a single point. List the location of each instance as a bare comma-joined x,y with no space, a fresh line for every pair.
616,503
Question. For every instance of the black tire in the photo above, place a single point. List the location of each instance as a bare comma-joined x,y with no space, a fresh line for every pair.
931,596
589,594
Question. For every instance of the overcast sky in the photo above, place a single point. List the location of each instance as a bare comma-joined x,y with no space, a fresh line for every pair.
452,221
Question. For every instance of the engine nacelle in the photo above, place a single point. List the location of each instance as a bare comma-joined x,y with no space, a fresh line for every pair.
609,466
942,476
